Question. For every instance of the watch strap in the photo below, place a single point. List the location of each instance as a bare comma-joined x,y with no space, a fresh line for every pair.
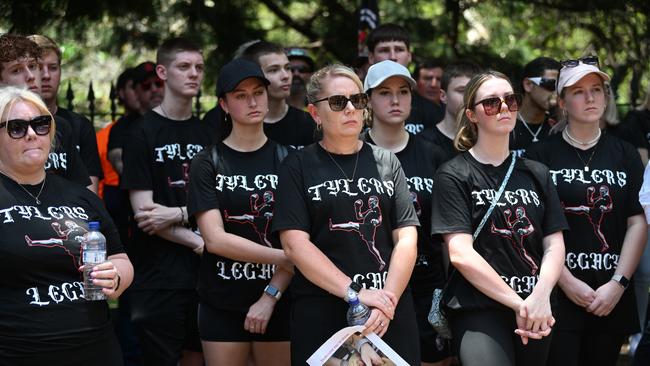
621,280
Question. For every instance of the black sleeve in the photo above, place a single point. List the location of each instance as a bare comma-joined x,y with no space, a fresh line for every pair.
291,211
404,212
631,130
451,205
554,219
635,169
88,148
116,136
201,194
137,173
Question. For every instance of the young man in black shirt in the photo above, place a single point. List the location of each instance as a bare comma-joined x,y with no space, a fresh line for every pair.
19,66
392,42
454,79
538,86
165,252
82,129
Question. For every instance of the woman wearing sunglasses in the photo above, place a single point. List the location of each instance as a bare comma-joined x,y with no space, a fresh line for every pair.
346,220
43,315
498,294
598,178
244,273
389,86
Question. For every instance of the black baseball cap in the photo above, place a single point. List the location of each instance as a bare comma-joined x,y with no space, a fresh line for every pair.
236,71
144,72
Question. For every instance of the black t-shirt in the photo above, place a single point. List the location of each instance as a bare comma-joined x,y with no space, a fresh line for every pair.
521,138
64,158
511,239
419,160
424,113
85,140
243,190
119,132
42,307
157,157
444,143
597,203
635,129
351,222
295,129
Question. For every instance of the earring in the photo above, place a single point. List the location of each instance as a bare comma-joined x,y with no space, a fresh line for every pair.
319,127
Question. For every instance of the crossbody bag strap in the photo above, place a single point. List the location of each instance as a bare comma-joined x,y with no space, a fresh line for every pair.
497,197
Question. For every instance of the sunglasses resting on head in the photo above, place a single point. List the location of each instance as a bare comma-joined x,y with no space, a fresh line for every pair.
339,102
544,83
17,128
587,60
492,106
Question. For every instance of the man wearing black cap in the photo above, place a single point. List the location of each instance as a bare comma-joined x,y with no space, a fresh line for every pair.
301,66
165,252
19,66
148,86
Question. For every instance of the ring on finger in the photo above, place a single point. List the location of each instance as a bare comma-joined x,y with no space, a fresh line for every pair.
381,324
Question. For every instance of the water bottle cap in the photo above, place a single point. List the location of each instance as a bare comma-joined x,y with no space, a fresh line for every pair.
93,225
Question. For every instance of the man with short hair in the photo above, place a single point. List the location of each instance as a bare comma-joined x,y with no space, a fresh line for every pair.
391,42
165,252
533,119
19,66
83,131
428,75
301,67
454,79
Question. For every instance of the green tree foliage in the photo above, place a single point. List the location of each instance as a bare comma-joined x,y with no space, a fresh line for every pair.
500,33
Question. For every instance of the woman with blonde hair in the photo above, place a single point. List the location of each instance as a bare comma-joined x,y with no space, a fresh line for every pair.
501,219
44,316
598,178
346,220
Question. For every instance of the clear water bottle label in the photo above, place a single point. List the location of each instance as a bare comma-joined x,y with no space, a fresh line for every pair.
94,257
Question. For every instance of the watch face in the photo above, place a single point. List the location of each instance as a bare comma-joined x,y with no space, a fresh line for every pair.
271,291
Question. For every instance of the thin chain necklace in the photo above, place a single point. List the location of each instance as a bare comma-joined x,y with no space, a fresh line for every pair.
167,116
354,172
576,141
534,134
38,202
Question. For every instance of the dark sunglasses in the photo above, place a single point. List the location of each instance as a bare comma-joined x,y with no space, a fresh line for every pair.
492,106
146,85
17,128
588,60
544,83
338,102
300,69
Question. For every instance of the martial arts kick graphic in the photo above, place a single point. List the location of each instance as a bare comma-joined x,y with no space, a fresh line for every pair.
367,228
595,211
181,183
416,204
260,216
518,228
72,231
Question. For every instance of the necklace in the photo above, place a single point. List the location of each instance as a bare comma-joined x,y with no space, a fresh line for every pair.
534,134
354,172
576,141
590,157
38,202
167,115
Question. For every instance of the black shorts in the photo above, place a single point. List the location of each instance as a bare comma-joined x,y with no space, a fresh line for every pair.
166,324
433,348
314,319
219,325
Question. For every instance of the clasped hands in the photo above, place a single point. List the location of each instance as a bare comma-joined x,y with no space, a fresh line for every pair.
382,306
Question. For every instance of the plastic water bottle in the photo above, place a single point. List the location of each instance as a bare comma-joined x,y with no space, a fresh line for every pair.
358,313
93,249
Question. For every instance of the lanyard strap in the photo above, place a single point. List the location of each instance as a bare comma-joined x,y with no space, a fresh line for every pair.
497,197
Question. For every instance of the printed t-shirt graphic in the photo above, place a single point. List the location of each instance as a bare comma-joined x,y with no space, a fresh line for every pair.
259,216
516,230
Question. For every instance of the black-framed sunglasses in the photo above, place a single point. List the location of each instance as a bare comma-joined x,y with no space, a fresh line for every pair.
299,68
492,106
146,85
587,60
338,102
17,128
544,83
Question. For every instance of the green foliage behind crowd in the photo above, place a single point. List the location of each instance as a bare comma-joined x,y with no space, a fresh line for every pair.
99,38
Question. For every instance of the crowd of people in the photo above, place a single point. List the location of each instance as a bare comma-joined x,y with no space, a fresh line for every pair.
239,238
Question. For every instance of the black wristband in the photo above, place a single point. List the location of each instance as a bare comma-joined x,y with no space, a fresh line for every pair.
355,286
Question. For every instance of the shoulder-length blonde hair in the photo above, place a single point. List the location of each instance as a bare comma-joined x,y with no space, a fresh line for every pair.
467,131
10,95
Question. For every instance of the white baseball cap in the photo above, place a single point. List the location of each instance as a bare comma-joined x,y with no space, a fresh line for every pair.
571,75
379,72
